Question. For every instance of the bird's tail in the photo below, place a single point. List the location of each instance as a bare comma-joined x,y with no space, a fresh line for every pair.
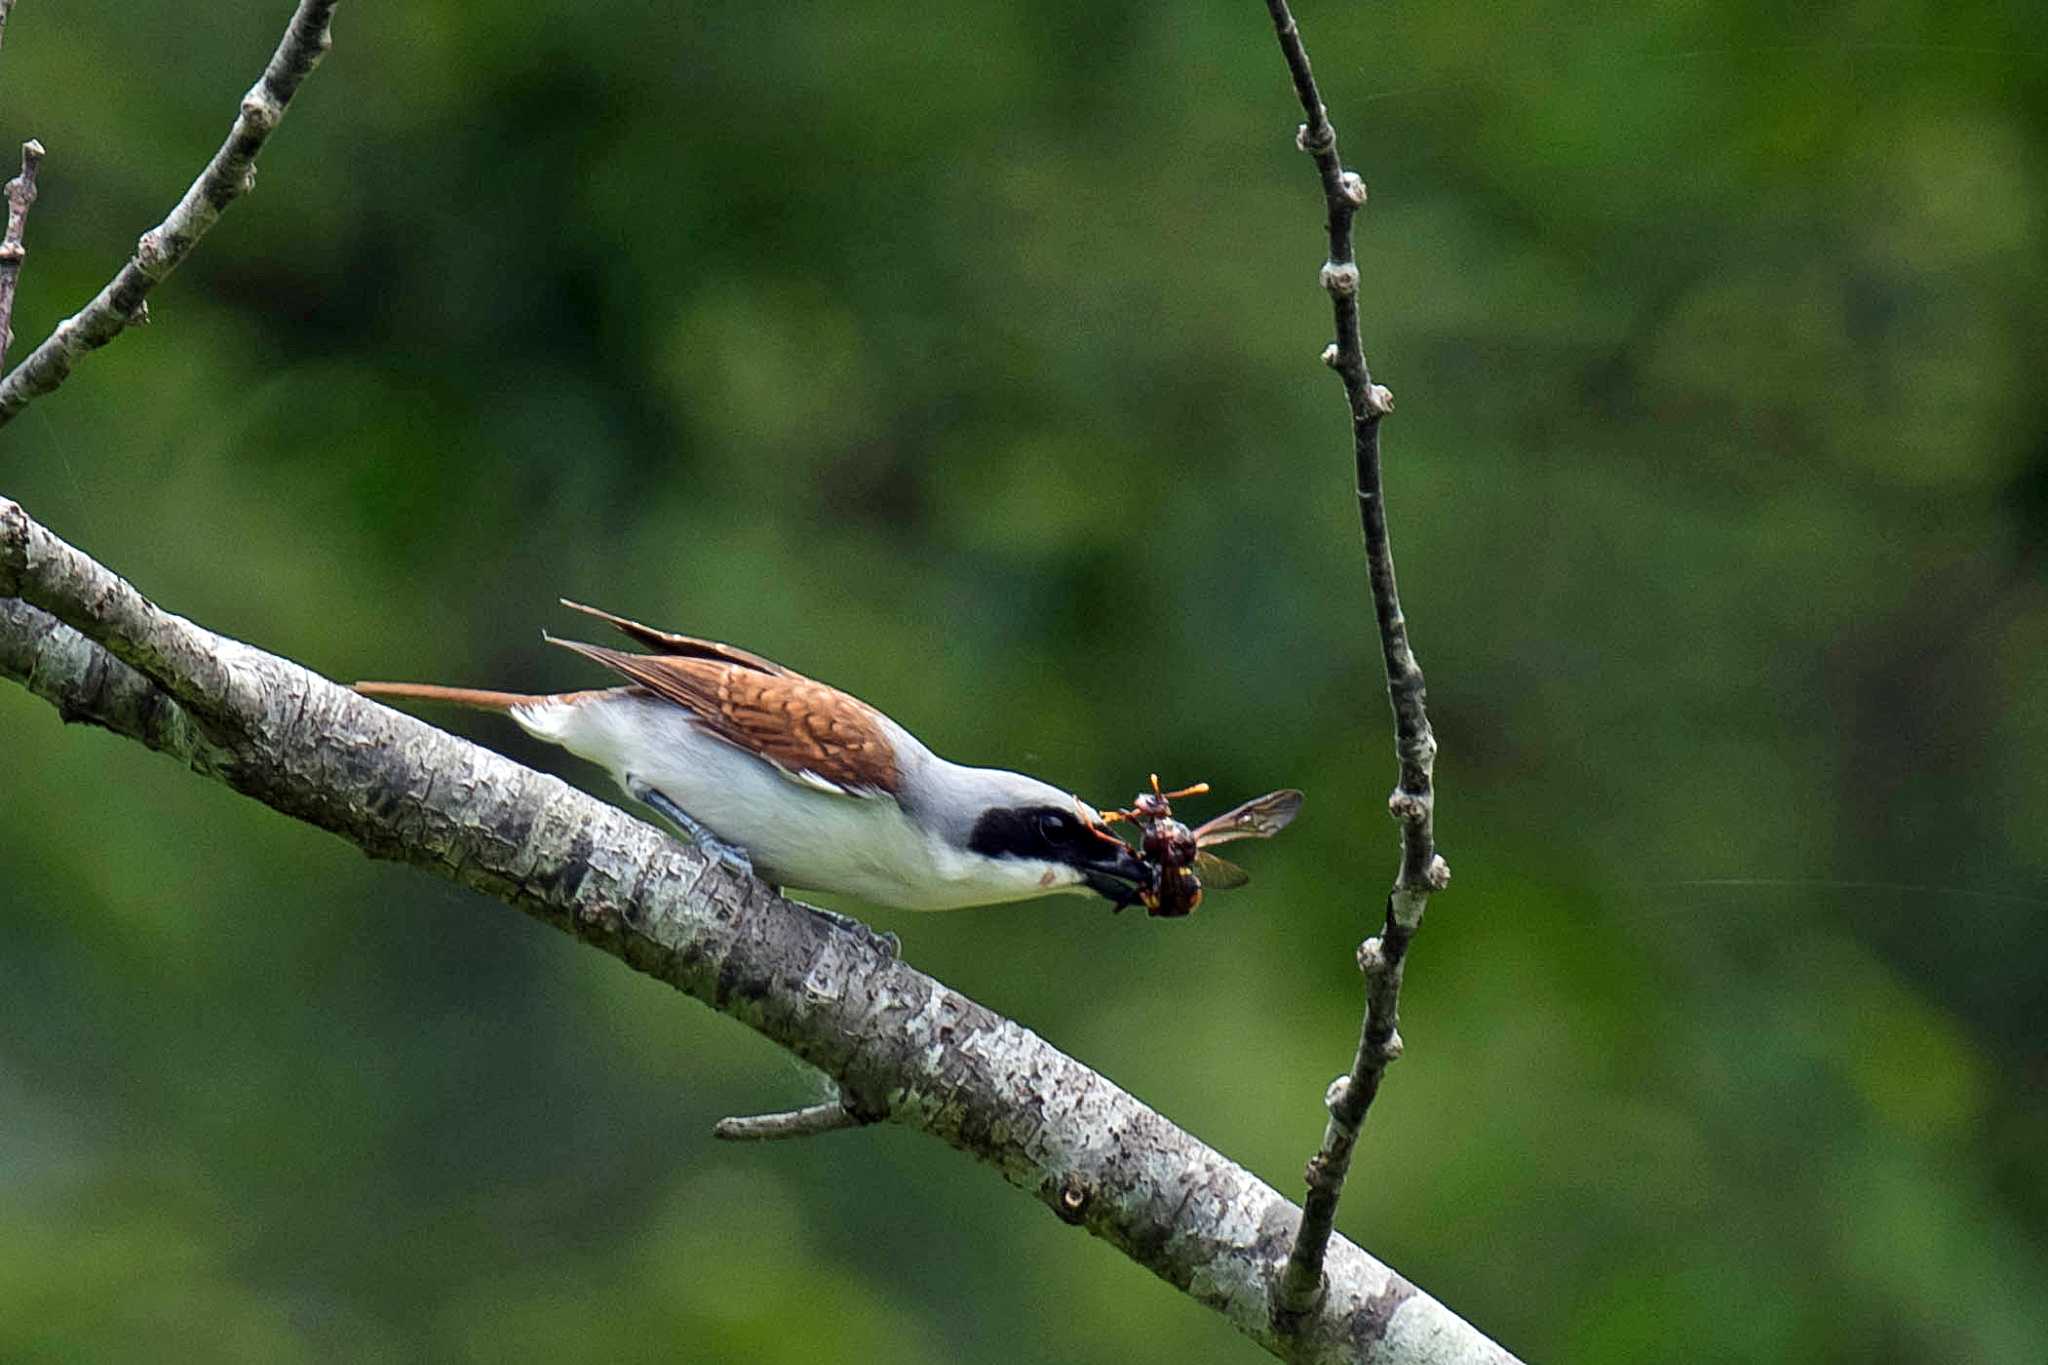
475,697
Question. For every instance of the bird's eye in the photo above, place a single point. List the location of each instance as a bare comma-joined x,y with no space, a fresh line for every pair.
1054,826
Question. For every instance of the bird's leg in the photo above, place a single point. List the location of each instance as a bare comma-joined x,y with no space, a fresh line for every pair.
732,855
736,858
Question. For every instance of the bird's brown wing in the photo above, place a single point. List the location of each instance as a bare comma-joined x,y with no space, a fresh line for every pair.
685,646
816,734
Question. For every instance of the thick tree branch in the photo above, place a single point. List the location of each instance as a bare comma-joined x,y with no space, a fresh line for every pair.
21,196
1301,1283
230,174
900,1045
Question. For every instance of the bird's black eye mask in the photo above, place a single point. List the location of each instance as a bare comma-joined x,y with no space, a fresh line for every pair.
1046,833
1049,834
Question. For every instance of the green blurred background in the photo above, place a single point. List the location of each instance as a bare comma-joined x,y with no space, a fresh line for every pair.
966,356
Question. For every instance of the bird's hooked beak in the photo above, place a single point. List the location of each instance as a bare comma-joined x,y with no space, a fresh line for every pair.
1112,870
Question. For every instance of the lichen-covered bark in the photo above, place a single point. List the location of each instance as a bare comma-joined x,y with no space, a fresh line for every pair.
900,1043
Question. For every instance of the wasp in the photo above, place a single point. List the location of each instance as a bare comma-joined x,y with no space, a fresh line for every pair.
1180,867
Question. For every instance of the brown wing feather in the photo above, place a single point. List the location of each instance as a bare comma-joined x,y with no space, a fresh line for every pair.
811,731
687,646
1262,817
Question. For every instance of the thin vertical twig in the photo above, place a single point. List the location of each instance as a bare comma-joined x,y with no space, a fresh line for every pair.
6,8
1299,1287
21,195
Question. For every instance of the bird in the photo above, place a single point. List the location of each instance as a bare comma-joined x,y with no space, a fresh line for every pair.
805,786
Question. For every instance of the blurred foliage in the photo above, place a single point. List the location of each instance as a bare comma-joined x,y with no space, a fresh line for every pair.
966,356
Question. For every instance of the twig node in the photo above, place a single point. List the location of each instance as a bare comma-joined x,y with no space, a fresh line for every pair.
1340,278
261,108
1353,185
1372,956
1334,1095
1439,873
151,253
1410,808
1312,142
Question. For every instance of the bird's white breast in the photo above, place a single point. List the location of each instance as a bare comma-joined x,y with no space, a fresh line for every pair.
799,835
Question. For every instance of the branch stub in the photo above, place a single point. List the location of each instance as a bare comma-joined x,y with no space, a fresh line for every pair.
1073,1202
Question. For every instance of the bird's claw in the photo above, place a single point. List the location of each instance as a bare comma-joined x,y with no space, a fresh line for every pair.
887,944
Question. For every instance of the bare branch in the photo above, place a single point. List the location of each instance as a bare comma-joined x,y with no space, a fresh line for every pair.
1301,1284
829,1117
6,8
21,196
230,174
928,1057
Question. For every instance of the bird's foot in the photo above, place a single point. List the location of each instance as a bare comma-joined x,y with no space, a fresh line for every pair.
732,855
887,944
735,857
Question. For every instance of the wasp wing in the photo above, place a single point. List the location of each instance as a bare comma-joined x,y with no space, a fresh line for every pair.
1218,875
1262,817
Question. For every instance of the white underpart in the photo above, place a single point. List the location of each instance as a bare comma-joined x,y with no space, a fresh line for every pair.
800,830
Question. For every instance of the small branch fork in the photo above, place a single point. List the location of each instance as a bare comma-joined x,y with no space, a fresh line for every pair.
844,1110
231,174
1301,1285
21,195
